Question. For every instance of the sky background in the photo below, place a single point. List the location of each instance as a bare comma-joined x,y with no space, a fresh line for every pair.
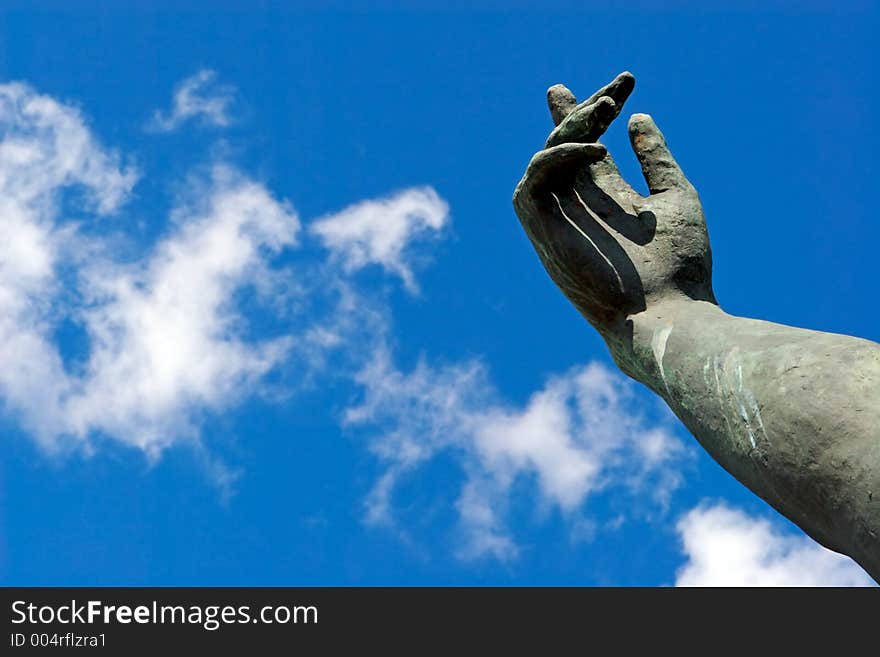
268,316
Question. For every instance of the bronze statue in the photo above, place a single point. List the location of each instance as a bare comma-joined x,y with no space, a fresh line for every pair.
793,414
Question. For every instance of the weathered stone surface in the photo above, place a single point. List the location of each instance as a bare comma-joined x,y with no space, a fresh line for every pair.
793,414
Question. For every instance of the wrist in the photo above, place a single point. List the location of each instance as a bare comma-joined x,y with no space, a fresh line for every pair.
639,344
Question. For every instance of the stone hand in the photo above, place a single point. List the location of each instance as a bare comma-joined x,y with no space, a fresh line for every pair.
609,249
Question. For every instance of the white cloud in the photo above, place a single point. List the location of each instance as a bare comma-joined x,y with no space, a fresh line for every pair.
166,338
726,547
379,231
484,531
47,146
198,97
579,434
45,150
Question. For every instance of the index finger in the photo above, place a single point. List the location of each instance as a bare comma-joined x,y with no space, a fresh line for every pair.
575,125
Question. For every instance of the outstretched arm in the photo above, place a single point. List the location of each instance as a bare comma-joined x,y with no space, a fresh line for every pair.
792,414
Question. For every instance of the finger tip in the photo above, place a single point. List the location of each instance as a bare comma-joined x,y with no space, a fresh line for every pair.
595,150
607,109
624,84
561,101
639,120
560,92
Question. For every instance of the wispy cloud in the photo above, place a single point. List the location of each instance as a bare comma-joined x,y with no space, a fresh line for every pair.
200,98
165,334
726,547
580,433
380,232
46,149
167,337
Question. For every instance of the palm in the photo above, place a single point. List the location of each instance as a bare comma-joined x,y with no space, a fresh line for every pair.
610,250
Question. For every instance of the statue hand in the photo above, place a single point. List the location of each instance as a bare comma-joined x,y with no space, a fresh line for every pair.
609,249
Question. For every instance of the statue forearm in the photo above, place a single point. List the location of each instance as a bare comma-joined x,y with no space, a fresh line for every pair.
793,414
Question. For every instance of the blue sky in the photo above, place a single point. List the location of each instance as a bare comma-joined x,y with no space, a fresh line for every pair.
269,317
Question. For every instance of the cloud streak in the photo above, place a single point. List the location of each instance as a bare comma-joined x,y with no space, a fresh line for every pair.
198,98
381,232
166,335
579,434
